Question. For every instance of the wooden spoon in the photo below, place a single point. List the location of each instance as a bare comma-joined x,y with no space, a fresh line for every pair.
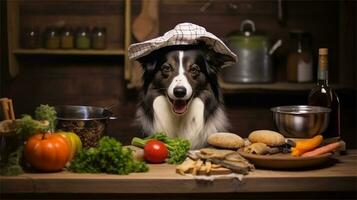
154,14
146,24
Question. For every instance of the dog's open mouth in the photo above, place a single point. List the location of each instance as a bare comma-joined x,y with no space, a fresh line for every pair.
179,106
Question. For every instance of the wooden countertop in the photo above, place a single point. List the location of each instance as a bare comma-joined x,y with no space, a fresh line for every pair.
340,177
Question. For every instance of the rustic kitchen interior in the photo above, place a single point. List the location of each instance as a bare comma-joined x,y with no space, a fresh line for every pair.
38,67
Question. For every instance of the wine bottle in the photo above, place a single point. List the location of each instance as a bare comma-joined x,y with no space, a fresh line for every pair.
323,95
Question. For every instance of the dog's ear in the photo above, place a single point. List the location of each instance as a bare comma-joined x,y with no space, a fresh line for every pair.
148,62
217,60
214,63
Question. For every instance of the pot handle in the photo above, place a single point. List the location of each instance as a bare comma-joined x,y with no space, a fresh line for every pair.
247,22
275,46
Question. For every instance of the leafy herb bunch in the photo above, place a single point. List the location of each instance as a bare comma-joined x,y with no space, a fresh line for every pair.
108,157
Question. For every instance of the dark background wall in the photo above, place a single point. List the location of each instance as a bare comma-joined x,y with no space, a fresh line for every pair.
98,80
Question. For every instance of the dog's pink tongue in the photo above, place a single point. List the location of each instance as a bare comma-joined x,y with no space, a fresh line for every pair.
180,106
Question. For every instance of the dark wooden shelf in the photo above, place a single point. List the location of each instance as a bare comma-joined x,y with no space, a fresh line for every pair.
90,52
275,86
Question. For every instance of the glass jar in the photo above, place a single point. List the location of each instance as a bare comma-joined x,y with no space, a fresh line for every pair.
52,38
299,62
67,38
99,38
31,38
82,38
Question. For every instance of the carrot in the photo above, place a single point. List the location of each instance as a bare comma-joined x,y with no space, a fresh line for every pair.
303,146
324,149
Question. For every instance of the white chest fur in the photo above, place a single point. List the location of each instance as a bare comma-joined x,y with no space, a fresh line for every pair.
191,125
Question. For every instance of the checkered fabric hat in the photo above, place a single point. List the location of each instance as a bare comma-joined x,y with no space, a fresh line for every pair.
182,34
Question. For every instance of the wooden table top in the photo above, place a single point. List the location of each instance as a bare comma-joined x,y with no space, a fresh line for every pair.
342,176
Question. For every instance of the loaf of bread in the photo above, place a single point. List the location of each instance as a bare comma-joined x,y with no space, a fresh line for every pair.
225,140
270,138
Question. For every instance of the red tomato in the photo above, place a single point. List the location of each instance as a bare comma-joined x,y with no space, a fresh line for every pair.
155,151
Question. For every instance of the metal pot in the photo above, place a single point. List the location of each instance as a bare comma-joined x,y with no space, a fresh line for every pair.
67,112
254,56
88,122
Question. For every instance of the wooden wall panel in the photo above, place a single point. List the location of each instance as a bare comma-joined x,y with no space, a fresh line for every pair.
3,44
348,42
67,83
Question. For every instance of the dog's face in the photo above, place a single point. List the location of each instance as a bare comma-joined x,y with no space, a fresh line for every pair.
180,74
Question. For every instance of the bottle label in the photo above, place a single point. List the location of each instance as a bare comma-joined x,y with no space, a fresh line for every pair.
304,71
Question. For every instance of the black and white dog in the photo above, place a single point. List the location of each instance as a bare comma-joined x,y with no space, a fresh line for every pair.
181,96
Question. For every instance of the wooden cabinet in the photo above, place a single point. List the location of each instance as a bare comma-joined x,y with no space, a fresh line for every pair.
113,15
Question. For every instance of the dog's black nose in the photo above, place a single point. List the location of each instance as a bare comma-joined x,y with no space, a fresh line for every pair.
179,92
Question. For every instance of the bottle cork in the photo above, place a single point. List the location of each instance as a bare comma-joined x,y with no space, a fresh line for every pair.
323,51
323,60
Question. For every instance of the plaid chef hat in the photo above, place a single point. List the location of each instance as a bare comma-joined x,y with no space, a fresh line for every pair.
182,34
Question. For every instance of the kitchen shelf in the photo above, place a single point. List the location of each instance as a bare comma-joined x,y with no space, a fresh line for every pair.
21,13
105,52
276,86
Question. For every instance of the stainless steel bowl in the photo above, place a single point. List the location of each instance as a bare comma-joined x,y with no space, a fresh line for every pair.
301,121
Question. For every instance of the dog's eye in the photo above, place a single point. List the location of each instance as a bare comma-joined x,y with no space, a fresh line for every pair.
166,68
194,70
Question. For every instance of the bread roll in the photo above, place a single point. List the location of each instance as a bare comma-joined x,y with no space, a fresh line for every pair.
270,138
225,140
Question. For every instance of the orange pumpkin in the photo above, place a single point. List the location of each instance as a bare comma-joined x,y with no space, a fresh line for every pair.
47,152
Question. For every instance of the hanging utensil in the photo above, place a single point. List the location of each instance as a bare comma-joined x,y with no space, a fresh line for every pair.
206,5
146,24
281,18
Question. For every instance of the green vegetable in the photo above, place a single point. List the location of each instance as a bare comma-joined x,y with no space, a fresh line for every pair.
44,121
177,147
48,113
26,127
45,117
12,166
108,157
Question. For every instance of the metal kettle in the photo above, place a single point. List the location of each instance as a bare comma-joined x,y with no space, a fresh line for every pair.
254,56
